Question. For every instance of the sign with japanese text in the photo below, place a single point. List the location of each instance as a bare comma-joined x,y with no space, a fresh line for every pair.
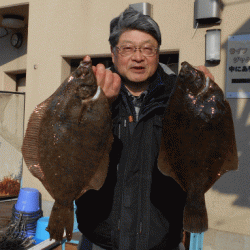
238,67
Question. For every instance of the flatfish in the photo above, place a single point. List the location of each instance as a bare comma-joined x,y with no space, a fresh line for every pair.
67,144
198,141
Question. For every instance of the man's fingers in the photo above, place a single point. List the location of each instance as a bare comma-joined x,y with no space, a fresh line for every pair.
116,83
109,82
94,69
100,74
114,88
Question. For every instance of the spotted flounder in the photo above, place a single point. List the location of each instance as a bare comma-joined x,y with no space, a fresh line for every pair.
198,141
67,144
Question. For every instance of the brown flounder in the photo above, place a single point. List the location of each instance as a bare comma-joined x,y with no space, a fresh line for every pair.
67,144
198,141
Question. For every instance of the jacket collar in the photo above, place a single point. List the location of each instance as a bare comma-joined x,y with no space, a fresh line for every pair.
158,92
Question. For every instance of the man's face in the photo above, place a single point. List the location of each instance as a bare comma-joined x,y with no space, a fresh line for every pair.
135,67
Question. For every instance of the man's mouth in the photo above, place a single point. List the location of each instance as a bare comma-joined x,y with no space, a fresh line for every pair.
138,68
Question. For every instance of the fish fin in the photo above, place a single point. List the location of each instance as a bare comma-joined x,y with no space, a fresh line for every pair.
30,147
195,218
231,162
100,175
38,173
61,217
82,193
164,165
99,178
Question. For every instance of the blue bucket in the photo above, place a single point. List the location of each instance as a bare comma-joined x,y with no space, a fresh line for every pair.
29,220
28,207
41,233
28,200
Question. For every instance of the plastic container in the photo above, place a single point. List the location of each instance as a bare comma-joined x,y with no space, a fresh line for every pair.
27,211
41,233
28,200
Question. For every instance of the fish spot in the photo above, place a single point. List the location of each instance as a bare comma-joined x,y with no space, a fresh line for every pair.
70,78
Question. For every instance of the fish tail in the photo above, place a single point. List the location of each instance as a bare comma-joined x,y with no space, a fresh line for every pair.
195,218
61,218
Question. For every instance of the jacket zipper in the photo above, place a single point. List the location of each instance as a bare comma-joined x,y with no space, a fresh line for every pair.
119,136
140,228
119,223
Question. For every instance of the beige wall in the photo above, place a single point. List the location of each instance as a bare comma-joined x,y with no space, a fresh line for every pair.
62,28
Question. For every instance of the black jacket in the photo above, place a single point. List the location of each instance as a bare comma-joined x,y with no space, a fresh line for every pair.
137,207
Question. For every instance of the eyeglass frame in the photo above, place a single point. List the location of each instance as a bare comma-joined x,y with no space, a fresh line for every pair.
156,49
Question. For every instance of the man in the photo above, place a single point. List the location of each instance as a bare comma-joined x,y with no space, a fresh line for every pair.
137,207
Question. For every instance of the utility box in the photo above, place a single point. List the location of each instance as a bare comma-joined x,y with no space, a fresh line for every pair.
144,8
207,11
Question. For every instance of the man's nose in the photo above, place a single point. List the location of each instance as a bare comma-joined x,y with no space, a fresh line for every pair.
137,55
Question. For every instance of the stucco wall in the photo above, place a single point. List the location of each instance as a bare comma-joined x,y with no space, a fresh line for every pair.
62,28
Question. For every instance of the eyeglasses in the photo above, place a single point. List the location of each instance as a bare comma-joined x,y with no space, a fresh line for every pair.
128,50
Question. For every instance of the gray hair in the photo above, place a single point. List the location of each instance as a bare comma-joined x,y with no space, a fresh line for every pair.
131,19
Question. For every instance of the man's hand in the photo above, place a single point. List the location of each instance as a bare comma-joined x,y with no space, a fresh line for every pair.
205,71
109,82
